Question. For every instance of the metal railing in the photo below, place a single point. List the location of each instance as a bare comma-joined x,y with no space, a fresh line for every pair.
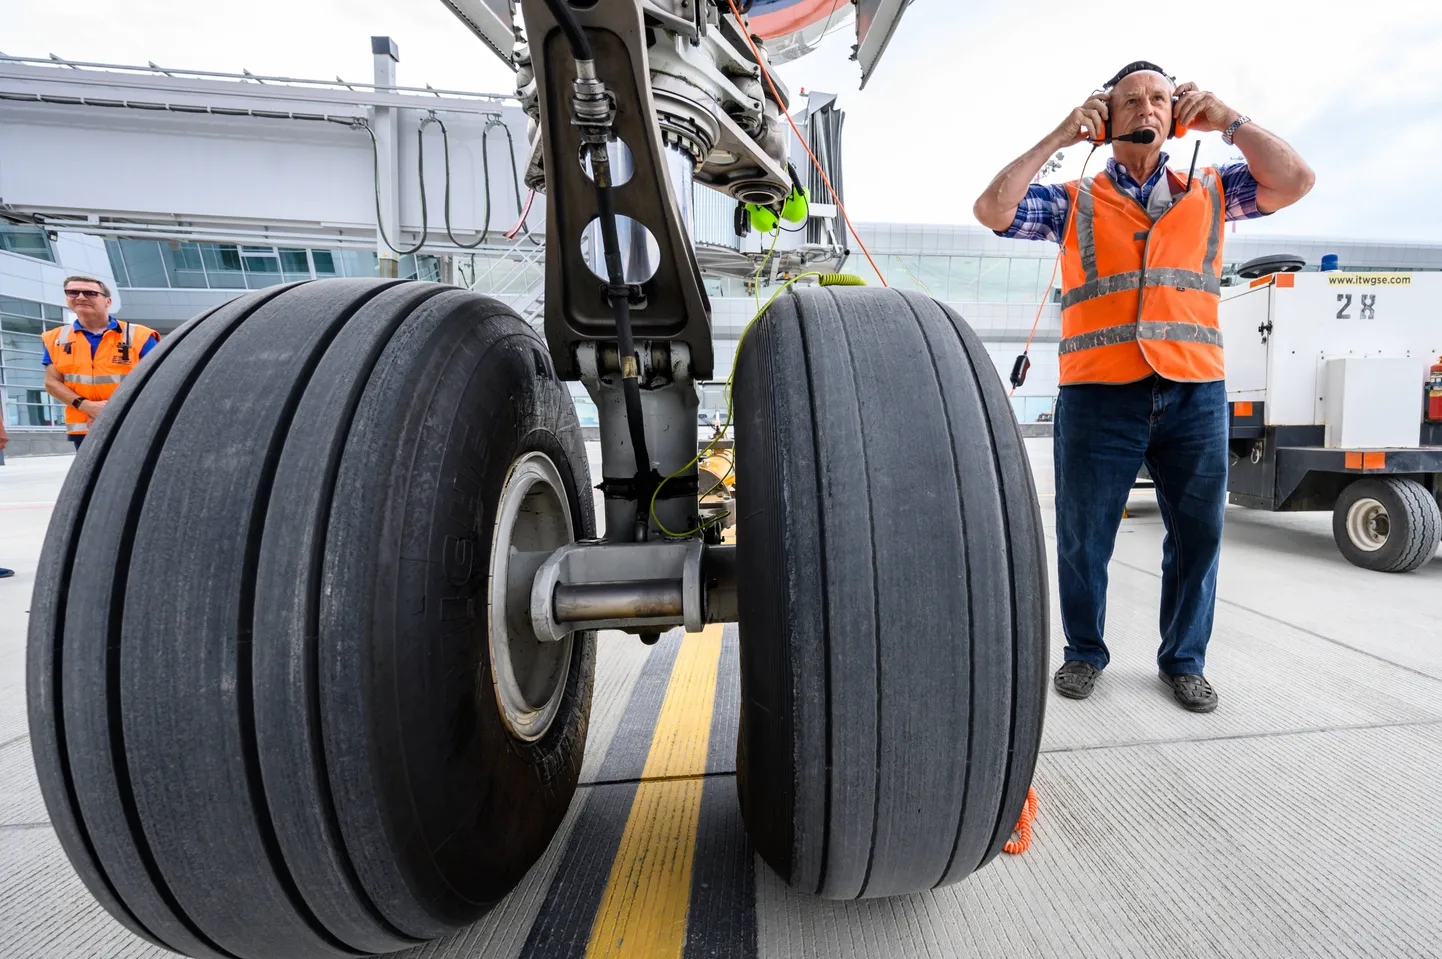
245,76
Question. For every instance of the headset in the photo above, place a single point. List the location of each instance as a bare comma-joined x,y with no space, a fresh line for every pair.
1138,66
794,208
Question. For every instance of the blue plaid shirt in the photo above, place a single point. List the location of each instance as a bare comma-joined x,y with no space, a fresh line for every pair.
1043,211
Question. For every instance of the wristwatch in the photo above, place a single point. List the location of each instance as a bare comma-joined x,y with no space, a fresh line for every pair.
1231,131
77,401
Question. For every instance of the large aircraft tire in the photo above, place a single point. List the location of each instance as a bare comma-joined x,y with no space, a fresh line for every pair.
893,595
264,693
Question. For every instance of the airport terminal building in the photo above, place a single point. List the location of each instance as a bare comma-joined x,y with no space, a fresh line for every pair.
992,282
289,197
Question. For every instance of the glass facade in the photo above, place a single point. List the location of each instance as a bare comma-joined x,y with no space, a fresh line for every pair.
176,264
955,279
26,240
962,279
22,375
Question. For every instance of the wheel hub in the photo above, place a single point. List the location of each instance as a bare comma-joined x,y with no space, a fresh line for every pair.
1368,524
533,519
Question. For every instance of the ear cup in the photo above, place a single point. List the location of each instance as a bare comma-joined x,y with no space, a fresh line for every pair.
1178,130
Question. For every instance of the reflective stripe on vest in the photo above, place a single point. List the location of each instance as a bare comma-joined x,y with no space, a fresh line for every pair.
81,378
93,375
1085,234
1131,280
1127,333
1154,265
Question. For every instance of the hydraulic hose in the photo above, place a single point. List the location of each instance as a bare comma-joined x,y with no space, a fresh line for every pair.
595,125
626,347
566,18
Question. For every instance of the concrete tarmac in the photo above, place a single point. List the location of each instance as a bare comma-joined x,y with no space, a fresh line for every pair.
1302,818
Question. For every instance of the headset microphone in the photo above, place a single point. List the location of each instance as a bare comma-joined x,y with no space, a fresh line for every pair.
1139,136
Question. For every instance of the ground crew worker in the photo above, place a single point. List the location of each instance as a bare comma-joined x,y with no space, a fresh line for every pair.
85,362
1141,351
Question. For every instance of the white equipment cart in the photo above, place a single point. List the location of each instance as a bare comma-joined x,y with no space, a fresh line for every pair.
1327,382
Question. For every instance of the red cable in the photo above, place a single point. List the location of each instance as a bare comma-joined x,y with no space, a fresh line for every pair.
525,212
817,163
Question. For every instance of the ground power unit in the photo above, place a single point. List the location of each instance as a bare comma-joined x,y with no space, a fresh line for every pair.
1331,379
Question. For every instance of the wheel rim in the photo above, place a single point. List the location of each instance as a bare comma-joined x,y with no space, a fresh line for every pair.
1368,524
532,520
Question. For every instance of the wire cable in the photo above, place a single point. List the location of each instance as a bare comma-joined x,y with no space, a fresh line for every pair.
911,274
521,225
756,280
1061,248
420,168
575,36
485,179
804,145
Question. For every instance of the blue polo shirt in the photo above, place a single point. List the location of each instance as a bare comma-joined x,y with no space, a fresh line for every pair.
95,339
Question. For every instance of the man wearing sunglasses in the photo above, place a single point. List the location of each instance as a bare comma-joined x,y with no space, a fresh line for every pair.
86,361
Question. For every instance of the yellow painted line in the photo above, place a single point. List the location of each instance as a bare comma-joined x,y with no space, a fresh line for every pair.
643,911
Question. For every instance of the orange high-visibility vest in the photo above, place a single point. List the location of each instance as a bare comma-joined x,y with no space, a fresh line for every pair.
95,378
1140,295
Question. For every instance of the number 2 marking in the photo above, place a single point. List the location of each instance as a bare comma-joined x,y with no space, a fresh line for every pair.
1342,314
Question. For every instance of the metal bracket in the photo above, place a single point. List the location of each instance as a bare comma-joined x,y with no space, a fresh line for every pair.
577,306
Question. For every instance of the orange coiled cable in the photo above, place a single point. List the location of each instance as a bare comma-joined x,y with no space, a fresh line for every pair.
1023,826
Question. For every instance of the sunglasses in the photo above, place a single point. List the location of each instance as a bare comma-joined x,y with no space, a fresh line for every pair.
76,294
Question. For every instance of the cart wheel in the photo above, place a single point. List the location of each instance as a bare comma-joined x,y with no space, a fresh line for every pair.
893,595
273,708
1390,524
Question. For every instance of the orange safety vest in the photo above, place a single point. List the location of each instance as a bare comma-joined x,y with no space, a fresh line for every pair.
1140,288
97,377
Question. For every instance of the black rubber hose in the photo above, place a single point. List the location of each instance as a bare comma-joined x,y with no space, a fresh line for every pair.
420,177
580,46
625,345
617,290
485,180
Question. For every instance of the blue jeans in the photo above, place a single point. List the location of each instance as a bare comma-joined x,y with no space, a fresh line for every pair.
1103,435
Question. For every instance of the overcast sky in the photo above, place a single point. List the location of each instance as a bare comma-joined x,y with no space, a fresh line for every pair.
964,87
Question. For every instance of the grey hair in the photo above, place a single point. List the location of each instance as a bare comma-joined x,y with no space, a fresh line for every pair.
88,279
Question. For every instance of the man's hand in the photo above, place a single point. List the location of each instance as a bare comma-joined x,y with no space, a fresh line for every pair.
1282,176
996,207
1201,111
1086,122
92,407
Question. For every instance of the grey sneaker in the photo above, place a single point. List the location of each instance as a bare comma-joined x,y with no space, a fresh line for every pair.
1076,679
1192,691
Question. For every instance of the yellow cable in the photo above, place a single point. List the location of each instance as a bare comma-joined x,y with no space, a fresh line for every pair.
756,280
911,274
712,445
